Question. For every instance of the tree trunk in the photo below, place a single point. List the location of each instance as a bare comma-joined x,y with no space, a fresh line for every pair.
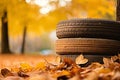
24,38
118,10
5,40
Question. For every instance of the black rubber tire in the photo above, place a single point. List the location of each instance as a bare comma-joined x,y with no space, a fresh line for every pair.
88,28
88,46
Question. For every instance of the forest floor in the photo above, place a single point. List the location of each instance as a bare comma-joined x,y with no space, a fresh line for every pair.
10,60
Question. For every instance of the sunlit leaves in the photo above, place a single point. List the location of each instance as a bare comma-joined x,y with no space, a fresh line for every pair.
40,66
67,69
25,67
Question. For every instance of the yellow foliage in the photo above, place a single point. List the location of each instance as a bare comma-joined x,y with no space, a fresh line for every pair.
22,14
104,70
25,67
40,66
15,69
65,72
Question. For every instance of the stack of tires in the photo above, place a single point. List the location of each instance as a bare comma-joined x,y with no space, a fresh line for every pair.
94,38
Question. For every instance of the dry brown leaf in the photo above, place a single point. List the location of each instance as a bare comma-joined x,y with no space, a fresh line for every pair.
114,58
92,76
105,76
81,60
58,60
68,61
106,62
22,74
94,65
5,72
116,76
65,69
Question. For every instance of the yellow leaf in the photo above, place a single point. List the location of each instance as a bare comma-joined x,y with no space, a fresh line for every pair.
25,67
65,72
41,66
105,70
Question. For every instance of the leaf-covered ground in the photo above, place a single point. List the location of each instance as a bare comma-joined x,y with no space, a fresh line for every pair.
14,67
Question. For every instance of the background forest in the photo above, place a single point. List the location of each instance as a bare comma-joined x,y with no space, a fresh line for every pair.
40,18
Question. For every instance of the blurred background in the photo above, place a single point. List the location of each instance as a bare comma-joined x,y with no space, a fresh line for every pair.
38,19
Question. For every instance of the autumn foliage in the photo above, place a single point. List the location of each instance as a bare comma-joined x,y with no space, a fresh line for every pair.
65,69
22,13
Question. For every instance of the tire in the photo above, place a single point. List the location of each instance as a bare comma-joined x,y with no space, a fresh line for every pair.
91,58
88,46
88,28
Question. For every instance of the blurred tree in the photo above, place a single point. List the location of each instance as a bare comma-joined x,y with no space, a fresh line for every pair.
118,10
24,39
19,14
5,40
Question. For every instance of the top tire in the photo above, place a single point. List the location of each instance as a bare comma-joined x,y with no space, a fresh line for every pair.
88,28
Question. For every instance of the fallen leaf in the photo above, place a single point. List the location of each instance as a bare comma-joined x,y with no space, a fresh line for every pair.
5,72
81,60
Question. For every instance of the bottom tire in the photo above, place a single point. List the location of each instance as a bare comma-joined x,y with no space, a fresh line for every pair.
88,46
91,58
